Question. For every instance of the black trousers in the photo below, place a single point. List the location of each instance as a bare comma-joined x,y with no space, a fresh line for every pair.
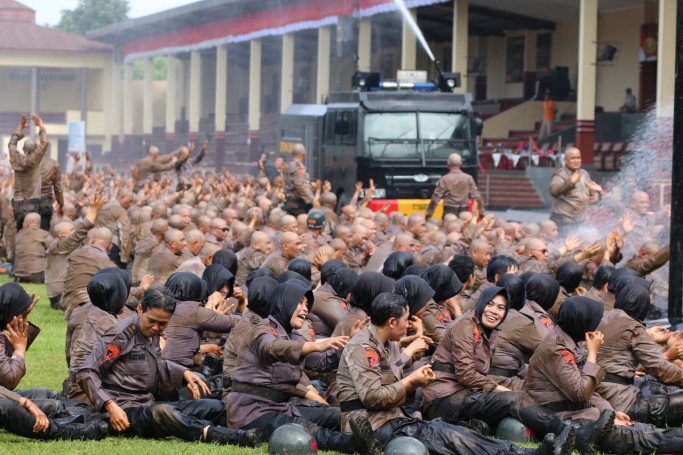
454,210
659,410
442,438
297,206
23,208
322,422
184,419
642,438
45,212
492,407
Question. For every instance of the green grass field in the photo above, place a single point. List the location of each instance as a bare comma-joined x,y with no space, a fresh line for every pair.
46,367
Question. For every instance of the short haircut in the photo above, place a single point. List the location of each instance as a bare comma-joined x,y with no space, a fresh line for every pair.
499,265
195,235
158,297
387,305
602,276
159,226
463,266
209,249
298,149
171,234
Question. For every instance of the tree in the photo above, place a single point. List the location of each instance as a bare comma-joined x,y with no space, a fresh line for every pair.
93,14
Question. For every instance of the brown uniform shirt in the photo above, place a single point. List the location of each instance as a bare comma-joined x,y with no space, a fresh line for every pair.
143,252
311,243
13,368
327,311
355,259
30,251
571,200
163,263
27,167
468,349
235,343
296,182
83,264
51,180
558,372
435,319
147,167
126,366
472,301
517,341
269,358
644,267
276,262
249,261
74,327
371,372
479,277
544,325
455,188
57,259
531,264
628,347
115,218
184,331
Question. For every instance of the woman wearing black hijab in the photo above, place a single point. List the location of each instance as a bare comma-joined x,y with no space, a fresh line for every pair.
463,391
609,297
415,269
189,321
541,293
517,338
443,307
417,293
272,358
396,264
259,293
330,303
108,294
135,294
329,268
220,285
219,279
227,259
300,266
627,348
15,302
368,285
569,277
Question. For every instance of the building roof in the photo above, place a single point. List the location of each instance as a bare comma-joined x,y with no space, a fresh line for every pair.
19,32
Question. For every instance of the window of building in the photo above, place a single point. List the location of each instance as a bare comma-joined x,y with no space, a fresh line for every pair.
514,68
543,46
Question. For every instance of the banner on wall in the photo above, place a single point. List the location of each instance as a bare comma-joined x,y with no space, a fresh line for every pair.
649,34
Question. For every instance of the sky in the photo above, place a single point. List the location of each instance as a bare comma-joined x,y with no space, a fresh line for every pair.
49,11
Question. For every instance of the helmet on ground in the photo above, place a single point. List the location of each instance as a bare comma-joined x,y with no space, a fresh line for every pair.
316,219
405,446
292,439
513,430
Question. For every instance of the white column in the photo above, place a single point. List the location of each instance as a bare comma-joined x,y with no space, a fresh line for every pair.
364,44
588,35
666,58
148,99
107,103
323,74
195,101
459,45
287,79
171,94
221,86
128,100
255,85
409,44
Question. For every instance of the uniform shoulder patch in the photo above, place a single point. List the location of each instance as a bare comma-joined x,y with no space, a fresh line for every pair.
371,356
130,331
273,330
343,304
545,320
301,170
568,357
255,320
477,334
113,351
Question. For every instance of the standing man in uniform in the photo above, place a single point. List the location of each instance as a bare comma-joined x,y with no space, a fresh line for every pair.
455,188
151,164
573,190
297,183
27,169
50,190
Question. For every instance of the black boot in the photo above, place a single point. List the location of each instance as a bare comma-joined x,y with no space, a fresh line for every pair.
476,425
211,366
244,438
674,412
363,437
589,437
94,430
558,445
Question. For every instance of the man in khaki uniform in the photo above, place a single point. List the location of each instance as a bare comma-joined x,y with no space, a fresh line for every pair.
30,250
114,217
146,249
50,190
69,237
83,264
297,184
253,257
480,252
289,249
167,259
649,258
27,169
573,190
148,166
360,250
455,188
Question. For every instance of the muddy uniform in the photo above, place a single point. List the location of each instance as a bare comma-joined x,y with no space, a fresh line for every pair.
83,264
435,319
276,262
144,250
184,332
50,190
455,188
463,391
26,176
311,243
147,168
297,187
571,199
30,252
126,367
234,345
115,218
370,384
517,341
327,311
165,262
539,316
250,260
644,267
13,368
628,347
57,260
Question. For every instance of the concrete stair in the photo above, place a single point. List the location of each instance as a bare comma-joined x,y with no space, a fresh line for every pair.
510,189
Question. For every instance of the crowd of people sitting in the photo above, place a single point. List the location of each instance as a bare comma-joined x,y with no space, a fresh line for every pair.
196,307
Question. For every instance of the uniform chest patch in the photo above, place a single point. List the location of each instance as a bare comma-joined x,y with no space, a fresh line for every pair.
568,357
372,357
477,334
273,330
343,304
113,351
301,171
137,357
547,322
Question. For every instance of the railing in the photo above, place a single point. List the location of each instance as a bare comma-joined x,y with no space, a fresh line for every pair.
488,181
